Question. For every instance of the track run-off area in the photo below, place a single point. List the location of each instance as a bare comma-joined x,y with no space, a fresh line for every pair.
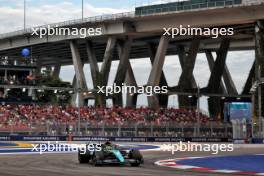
244,160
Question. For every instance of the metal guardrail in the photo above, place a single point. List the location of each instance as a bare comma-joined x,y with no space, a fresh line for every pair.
171,129
117,16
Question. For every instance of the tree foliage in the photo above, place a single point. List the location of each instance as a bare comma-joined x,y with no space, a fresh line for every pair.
50,96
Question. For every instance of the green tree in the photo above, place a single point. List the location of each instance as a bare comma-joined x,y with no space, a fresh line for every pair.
50,96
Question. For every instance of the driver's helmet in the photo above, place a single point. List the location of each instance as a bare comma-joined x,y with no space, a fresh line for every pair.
108,147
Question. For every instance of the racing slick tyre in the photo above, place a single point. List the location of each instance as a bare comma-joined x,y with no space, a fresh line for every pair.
83,158
98,158
136,155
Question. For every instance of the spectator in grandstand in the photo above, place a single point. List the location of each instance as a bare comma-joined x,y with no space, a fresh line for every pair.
26,116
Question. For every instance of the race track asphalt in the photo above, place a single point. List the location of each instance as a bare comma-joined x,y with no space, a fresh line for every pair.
67,165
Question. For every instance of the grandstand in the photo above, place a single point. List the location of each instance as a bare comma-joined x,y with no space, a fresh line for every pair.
58,120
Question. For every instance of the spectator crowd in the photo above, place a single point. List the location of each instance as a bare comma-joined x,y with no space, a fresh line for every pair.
23,116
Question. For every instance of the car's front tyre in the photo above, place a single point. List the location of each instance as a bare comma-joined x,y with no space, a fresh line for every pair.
136,155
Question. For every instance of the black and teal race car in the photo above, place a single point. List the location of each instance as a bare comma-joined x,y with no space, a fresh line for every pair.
111,154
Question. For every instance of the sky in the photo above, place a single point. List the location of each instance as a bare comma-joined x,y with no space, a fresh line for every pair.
41,12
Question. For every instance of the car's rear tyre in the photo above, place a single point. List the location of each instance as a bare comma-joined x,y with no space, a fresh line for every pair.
83,158
136,155
98,158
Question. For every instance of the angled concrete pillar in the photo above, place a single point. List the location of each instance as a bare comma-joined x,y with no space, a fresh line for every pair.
108,56
78,68
100,78
56,71
156,71
187,81
131,100
182,58
95,73
211,63
214,103
219,66
185,101
74,82
163,99
249,81
93,62
259,73
230,85
187,72
124,48
75,86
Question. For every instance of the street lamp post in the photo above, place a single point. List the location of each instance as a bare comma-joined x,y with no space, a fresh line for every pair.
79,110
82,10
253,111
12,126
24,14
198,111
259,102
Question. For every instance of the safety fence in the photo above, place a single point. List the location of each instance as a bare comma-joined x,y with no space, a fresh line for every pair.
127,139
243,129
169,129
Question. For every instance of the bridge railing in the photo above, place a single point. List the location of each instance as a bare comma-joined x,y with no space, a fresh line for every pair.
93,19
184,6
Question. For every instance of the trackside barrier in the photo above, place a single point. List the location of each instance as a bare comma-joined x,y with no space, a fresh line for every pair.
211,129
114,139
258,141
239,129
127,139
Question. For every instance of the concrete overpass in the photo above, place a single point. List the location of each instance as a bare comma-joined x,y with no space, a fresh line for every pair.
127,36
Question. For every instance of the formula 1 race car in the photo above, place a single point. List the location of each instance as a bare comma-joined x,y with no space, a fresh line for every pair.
111,154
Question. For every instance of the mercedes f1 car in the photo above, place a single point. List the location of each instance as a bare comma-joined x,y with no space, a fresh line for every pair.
111,154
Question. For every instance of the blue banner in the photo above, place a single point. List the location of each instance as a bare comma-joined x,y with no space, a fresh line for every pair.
114,139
